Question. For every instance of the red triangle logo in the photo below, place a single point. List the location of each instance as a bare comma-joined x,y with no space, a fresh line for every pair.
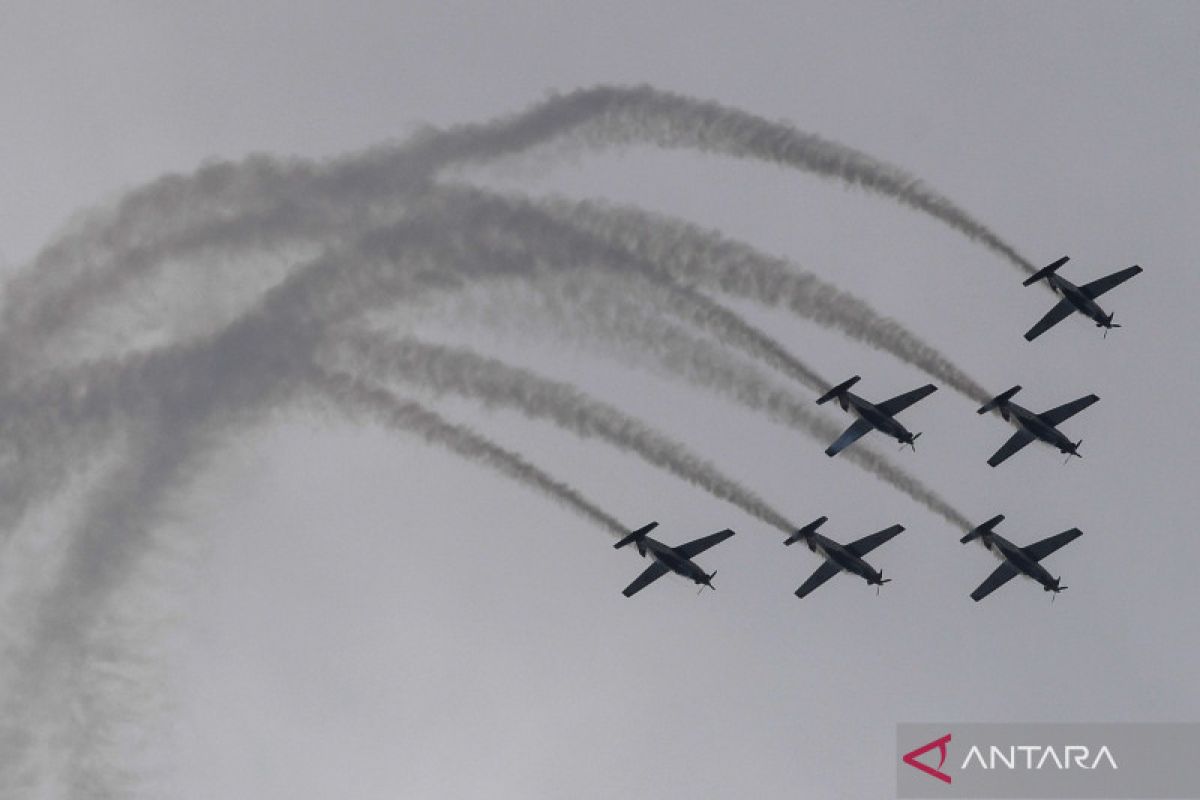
910,758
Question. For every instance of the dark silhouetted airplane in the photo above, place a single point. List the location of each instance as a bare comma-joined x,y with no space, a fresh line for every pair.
1018,560
880,417
1032,426
1076,298
670,559
839,557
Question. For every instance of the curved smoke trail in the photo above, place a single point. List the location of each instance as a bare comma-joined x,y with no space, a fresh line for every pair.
460,371
90,258
371,211
620,319
707,259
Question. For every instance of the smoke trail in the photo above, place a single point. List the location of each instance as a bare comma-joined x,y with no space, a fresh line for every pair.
622,235
516,236
460,371
611,115
613,315
122,515
603,116
248,363
181,383
341,283
693,255
351,394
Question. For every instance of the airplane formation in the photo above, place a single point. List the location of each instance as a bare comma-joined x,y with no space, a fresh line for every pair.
1014,559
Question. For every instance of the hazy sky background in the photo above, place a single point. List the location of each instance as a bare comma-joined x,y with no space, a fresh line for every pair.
363,616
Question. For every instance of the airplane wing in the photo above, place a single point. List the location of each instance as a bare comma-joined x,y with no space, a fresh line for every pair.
698,546
902,401
1102,285
1067,410
1052,318
868,543
1003,574
1014,443
849,436
823,573
652,573
1039,550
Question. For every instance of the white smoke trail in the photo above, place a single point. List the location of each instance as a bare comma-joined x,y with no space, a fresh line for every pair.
618,317
460,371
91,258
194,392
704,258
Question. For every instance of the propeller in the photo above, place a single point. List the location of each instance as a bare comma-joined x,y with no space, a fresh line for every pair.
1108,324
1055,589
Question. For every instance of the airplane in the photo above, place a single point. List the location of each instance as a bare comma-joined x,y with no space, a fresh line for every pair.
1018,560
839,557
670,559
1076,298
1032,426
873,417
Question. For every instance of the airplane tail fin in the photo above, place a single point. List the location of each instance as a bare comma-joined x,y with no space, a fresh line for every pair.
986,527
838,390
637,535
1044,272
998,400
805,531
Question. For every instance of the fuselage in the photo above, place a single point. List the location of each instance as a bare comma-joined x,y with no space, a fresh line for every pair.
1080,301
1007,551
1028,421
842,557
667,556
880,421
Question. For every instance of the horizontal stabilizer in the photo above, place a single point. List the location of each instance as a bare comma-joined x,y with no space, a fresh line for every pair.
998,400
637,535
807,529
1044,272
986,527
837,390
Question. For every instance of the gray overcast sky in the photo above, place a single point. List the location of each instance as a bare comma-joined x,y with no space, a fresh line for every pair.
362,616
